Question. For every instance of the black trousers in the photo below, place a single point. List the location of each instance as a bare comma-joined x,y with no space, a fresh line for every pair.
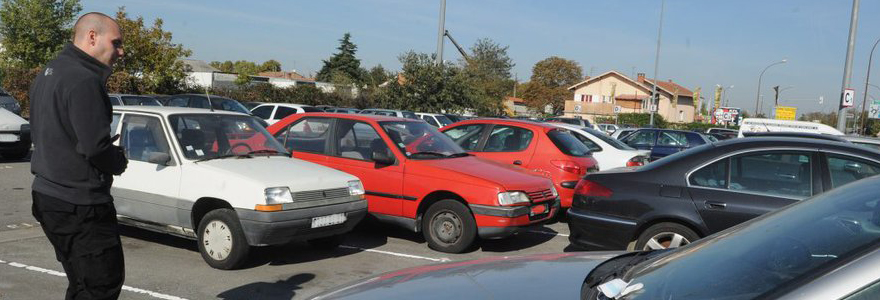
86,242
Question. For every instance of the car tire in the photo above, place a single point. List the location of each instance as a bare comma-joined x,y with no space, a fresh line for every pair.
327,243
449,226
665,235
15,155
221,240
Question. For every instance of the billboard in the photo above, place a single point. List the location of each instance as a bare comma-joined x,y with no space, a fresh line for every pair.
726,115
786,113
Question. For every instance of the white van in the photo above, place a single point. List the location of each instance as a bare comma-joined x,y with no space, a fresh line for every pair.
770,125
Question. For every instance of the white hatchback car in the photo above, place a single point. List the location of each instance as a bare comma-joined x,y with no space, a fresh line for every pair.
221,179
436,120
273,112
609,152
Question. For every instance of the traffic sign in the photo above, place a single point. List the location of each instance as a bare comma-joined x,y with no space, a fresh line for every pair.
874,111
577,108
847,100
617,109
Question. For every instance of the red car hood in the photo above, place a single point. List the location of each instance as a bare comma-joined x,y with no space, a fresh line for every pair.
471,169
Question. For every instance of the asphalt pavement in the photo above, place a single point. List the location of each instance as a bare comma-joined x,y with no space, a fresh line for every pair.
160,266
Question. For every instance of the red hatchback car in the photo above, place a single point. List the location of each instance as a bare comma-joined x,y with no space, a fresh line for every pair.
419,178
544,149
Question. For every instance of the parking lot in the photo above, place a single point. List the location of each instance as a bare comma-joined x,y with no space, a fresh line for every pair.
160,266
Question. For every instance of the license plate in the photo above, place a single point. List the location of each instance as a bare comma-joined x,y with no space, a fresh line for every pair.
328,220
6,137
538,209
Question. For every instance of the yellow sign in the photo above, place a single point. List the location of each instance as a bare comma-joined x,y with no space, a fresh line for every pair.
786,113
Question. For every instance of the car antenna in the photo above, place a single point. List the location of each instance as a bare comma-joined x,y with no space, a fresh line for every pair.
210,104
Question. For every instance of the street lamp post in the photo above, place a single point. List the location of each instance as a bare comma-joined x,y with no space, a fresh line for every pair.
725,96
867,77
758,94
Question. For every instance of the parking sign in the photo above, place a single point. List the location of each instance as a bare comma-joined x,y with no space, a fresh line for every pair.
847,100
874,111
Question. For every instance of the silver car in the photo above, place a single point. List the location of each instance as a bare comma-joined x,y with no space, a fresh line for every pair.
825,247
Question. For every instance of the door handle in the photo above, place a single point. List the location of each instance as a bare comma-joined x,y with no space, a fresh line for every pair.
786,176
517,162
715,205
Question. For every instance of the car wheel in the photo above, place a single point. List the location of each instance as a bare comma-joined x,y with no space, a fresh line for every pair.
327,243
449,227
665,235
15,155
221,239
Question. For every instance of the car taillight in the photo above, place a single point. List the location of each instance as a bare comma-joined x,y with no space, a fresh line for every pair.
637,161
569,166
591,189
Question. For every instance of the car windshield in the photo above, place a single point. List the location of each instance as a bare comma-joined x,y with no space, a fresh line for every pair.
419,140
209,136
228,105
443,120
607,139
140,100
568,143
770,253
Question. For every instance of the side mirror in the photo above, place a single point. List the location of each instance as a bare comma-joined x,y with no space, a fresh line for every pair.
383,157
159,158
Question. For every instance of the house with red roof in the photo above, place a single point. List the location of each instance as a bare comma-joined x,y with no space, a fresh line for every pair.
612,93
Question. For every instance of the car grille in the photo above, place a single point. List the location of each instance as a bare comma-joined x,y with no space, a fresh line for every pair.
315,195
540,196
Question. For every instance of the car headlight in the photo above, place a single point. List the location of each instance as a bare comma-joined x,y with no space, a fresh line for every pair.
278,195
554,191
356,188
510,198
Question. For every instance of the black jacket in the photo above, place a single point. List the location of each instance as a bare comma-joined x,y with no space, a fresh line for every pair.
74,158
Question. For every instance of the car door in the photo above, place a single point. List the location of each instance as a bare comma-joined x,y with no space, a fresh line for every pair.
307,139
669,142
741,187
509,145
147,190
352,150
467,136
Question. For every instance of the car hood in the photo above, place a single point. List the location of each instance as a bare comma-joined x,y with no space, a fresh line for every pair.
471,169
274,171
544,276
10,121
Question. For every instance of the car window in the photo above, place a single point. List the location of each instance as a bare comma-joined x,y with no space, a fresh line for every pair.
140,100
641,138
358,140
567,143
786,174
114,101
430,120
409,115
306,135
198,102
508,139
263,112
444,121
868,145
587,142
607,139
466,136
113,123
848,169
671,138
311,109
870,292
177,102
713,175
142,136
228,105
208,136
283,111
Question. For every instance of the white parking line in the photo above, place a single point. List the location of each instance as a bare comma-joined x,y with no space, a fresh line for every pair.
443,259
548,233
61,274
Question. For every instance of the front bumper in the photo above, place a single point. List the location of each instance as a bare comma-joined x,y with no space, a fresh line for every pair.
281,227
495,222
593,231
22,144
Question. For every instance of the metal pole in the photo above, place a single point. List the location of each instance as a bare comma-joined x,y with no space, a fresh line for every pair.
758,94
441,31
847,69
656,65
865,99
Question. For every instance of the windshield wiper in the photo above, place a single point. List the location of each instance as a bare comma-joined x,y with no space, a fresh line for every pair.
429,153
222,156
267,152
462,154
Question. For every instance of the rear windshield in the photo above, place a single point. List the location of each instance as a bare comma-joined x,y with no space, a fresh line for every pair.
140,100
311,109
410,115
610,140
567,143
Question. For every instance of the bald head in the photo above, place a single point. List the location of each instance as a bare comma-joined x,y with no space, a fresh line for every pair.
99,36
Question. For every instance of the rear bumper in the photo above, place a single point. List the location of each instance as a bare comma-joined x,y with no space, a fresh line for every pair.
495,222
593,231
273,228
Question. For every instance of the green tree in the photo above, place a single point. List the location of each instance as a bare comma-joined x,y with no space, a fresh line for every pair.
342,63
549,83
377,75
270,66
33,31
152,61
427,87
225,67
488,71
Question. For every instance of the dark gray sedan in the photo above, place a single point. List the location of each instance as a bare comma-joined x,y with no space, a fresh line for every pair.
825,247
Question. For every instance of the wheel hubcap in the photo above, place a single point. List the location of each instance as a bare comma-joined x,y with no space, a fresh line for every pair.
665,240
446,227
217,240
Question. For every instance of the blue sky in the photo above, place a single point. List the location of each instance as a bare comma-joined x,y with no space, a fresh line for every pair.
704,42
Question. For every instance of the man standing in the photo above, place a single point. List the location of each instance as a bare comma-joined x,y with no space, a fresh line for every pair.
74,159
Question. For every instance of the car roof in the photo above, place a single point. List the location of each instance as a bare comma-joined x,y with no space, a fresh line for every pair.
170,110
797,141
861,139
293,105
359,117
516,122
796,134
